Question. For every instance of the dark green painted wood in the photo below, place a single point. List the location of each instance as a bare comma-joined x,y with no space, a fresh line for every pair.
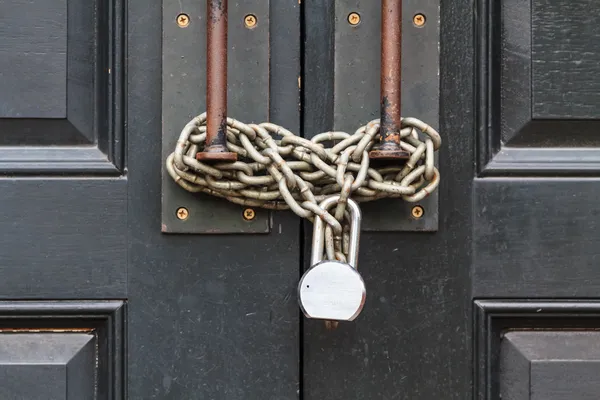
550,365
216,316
62,87
412,339
533,61
33,59
65,362
210,316
65,238
536,237
534,209
62,350
499,370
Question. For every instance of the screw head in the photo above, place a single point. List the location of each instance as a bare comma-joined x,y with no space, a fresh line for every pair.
354,18
417,212
249,214
183,20
182,213
419,20
250,21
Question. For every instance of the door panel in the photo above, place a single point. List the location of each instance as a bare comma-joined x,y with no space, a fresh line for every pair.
66,238
515,337
62,88
210,316
411,340
66,360
534,211
63,200
508,281
550,365
537,78
68,350
60,118
524,238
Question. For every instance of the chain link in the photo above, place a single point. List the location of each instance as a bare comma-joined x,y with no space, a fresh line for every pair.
280,170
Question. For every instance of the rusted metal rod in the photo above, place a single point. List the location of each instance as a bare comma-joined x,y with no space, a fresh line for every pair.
391,82
216,84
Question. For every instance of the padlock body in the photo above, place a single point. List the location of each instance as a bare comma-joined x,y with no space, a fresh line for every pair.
332,290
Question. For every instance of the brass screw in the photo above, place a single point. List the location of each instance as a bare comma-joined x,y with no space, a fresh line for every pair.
249,214
419,20
354,18
183,213
183,20
417,212
250,21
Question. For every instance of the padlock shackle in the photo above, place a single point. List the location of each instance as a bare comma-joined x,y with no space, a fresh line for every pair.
318,241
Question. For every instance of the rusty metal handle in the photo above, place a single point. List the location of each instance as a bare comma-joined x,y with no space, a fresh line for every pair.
391,82
216,84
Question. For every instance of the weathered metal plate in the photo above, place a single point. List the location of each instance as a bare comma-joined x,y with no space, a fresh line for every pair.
357,61
184,96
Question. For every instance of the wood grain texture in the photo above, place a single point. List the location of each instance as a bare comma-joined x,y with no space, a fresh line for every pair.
85,65
510,58
216,317
558,336
89,94
536,238
46,132
412,339
211,317
48,366
33,59
89,341
64,238
318,74
514,372
550,365
56,160
536,89
534,210
565,59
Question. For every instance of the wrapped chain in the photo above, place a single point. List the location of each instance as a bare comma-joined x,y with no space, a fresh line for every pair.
280,170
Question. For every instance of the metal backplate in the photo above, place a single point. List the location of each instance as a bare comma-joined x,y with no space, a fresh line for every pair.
356,90
184,96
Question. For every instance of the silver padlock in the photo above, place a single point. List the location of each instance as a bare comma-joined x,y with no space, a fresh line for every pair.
333,290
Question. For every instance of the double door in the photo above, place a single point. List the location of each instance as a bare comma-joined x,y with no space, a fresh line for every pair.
498,300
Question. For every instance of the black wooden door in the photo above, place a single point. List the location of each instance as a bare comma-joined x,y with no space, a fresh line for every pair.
97,303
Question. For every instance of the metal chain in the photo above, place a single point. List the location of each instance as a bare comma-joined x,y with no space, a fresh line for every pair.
280,170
